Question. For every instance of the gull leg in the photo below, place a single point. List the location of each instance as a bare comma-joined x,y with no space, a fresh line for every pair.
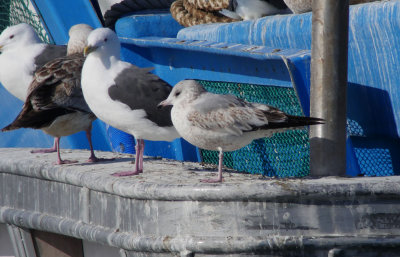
141,155
219,179
47,150
59,161
92,157
137,171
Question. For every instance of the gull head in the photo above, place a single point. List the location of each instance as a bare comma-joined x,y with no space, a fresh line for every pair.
78,35
18,36
103,42
185,90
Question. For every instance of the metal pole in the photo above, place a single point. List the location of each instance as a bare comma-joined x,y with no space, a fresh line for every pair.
330,20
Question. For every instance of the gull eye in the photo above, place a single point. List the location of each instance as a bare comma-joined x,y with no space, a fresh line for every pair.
12,36
105,40
177,93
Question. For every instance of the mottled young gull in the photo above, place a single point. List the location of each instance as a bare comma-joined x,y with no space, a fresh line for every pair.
55,101
225,122
123,95
22,53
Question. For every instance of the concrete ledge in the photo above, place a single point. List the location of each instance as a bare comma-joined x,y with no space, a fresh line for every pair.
177,181
210,244
167,209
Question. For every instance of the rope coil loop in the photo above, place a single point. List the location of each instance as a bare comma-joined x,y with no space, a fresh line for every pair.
194,12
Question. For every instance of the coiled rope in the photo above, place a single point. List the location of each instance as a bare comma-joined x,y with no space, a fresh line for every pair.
194,12
127,6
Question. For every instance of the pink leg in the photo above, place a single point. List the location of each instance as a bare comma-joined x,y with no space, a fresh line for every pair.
219,179
141,155
92,157
137,171
59,161
47,150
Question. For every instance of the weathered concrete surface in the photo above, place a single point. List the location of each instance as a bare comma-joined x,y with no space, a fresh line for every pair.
166,210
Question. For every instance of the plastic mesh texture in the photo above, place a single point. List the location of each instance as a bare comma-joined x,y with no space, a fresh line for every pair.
285,154
374,161
13,12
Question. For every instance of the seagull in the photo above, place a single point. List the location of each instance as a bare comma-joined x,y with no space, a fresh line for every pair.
125,96
254,9
55,101
22,53
225,122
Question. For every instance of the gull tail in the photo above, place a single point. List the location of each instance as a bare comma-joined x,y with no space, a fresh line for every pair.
35,119
292,122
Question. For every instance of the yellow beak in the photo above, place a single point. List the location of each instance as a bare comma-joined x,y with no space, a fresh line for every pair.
88,50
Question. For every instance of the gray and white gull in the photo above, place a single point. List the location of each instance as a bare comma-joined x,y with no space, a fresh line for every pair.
224,122
254,9
22,53
55,101
125,96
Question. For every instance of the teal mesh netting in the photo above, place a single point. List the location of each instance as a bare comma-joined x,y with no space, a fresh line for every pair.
16,11
372,160
283,155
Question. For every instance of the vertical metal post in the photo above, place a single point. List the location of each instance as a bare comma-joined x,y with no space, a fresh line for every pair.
330,20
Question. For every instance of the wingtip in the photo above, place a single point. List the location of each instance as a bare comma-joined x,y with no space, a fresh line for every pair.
315,121
318,120
7,128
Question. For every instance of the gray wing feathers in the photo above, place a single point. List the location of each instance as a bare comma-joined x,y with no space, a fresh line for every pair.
139,89
235,116
49,53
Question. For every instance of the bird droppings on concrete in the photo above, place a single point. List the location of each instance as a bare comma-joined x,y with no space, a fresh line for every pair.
174,180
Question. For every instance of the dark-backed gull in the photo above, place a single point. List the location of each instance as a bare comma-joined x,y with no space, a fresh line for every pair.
123,95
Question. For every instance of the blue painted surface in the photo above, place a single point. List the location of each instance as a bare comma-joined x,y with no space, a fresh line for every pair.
59,16
146,25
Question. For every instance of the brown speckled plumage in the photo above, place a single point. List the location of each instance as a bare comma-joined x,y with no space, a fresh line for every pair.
55,90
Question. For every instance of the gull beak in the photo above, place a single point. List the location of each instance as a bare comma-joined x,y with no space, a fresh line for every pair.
88,50
163,104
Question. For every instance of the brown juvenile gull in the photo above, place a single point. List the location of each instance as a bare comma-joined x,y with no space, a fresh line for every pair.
22,53
55,102
225,122
123,95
